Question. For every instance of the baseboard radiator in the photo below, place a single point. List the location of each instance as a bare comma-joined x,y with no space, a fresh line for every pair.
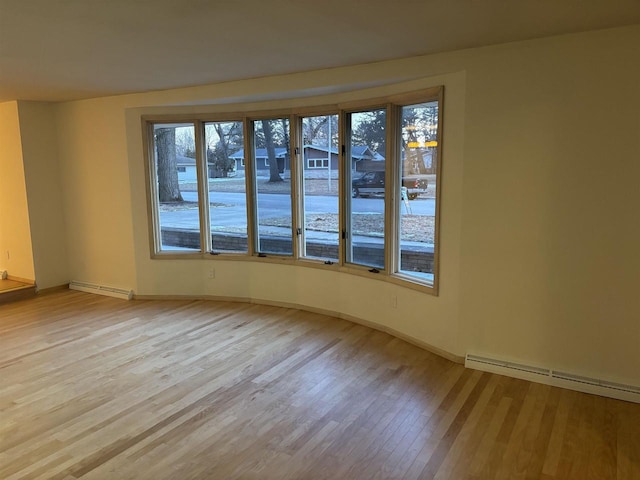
101,290
556,378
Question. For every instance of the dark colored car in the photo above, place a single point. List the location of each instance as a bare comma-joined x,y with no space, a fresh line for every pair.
372,183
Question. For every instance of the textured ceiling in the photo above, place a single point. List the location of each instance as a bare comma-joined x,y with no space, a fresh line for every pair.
56,50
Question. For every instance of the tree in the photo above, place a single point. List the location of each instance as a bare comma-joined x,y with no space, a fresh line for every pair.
168,186
369,128
315,130
229,139
185,142
285,134
312,130
274,171
420,128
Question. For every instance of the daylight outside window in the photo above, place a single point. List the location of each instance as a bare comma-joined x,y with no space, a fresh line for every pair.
226,183
418,173
272,180
365,156
176,182
320,182
352,188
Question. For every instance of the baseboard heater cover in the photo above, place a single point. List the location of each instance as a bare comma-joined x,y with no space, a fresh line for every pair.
101,290
556,378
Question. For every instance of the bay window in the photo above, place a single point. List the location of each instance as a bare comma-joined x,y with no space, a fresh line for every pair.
353,188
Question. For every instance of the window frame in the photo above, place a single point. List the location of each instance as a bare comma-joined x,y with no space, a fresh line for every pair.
407,101
254,241
393,104
346,210
298,145
316,160
207,218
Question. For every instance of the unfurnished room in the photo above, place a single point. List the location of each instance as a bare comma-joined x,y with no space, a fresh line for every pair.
338,239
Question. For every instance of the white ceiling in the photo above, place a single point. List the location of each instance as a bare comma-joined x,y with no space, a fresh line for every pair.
56,50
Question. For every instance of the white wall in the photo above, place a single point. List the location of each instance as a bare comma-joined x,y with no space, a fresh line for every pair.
97,203
551,228
539,212
44,193
16,254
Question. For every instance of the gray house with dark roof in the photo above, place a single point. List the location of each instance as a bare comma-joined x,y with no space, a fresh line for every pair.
186,169
362,158
262,159
315,158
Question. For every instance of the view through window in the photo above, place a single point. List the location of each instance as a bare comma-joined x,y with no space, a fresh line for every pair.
354,188
226,186
272,177
176,185
320,185
367,163
418,170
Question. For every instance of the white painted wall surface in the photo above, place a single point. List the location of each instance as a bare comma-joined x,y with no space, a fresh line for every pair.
44,193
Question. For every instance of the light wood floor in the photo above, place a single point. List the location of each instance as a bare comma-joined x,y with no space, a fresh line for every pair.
12,290
7,285
98,388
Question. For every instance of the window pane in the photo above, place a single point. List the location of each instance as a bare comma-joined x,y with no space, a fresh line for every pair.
272,172
320,187
177,187
227,191
419,154
366,154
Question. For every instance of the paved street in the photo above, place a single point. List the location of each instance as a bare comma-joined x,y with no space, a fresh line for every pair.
232,209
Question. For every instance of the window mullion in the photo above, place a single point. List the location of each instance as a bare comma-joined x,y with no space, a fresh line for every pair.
155,230
393,190
202,176
344,187
297,210
250,187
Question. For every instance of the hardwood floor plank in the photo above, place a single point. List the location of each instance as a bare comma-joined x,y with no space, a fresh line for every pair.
628,441
540,447
445,443
98,388
458,457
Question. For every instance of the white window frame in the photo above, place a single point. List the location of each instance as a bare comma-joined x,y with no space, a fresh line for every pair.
323,165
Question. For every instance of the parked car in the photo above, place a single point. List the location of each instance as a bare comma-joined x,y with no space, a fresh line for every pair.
372,183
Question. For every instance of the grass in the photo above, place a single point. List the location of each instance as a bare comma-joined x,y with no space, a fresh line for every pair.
413,228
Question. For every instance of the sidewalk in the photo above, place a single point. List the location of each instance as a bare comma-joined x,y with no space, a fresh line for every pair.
311,235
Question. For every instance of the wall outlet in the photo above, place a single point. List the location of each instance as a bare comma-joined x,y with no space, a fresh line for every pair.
211,274
394,301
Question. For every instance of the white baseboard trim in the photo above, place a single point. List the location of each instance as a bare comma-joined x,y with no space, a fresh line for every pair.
547,376
101,290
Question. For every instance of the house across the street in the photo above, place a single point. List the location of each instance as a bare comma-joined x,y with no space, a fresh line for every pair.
186,167
316,157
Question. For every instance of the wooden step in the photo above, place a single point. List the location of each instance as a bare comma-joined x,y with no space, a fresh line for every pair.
11,291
